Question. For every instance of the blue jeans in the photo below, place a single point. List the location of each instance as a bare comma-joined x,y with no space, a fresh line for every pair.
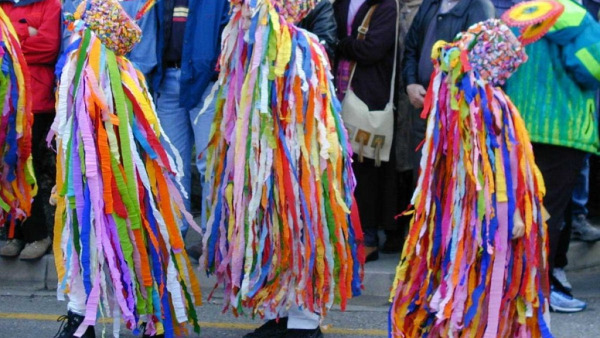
178,124
582,190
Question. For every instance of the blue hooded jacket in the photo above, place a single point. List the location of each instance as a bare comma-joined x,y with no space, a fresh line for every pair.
201,46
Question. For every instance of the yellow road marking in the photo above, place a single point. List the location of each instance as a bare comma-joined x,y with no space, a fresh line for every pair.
212,325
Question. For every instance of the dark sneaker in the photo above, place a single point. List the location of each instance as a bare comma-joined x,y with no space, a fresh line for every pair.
298,333
12,248
70,324
194,251
561,302
392,244
583,230
271,329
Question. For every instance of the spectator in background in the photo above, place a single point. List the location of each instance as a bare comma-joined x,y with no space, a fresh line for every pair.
188,45
375,193
321,22
394,237
581,228
435,20
555,91
37,23
576,224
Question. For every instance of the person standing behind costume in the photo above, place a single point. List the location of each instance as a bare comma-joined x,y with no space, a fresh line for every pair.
555,91
143,55
394,237
435,20
37,23
374,58
321,22
188,46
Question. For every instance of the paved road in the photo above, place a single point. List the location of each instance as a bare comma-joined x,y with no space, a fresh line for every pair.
27,314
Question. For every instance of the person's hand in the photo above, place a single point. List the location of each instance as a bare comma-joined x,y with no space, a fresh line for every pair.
53,197
32,31
416,95
518,225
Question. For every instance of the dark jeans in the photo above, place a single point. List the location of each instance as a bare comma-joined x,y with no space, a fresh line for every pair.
559,167
37,226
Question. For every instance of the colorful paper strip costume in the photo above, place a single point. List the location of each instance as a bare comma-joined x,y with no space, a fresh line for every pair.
282,225
17,180
474,263
117,220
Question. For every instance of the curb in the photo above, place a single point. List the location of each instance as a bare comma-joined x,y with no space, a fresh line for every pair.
379,275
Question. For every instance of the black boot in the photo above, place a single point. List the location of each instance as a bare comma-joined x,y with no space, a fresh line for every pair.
70,324
303,333
271,329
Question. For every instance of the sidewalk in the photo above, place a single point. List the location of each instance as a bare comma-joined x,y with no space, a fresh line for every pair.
379,275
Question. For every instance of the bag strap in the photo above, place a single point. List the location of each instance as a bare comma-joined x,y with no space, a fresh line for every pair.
362,33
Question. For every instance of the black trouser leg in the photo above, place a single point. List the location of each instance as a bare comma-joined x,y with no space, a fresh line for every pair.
376,197
560,260
559,167
37,226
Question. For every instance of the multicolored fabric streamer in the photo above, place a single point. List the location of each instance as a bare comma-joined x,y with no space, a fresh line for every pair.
474,263
282,227
17,179
116,235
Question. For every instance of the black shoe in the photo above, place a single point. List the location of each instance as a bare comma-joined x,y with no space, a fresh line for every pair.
70,324
373,256
298,333
392,245
271,329
194,251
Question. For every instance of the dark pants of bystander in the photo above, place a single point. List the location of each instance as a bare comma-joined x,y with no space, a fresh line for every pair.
37,226
559,167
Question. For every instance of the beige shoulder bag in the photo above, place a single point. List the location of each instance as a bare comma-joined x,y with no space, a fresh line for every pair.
370,131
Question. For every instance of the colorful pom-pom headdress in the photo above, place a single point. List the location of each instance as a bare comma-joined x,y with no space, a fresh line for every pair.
111,24
17,180
534,18
282,227
116,237
474,262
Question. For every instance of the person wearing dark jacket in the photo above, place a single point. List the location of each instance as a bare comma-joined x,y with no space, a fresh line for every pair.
375,192
321,22
435,20
37,24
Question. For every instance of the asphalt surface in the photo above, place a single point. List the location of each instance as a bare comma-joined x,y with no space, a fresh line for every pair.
32,314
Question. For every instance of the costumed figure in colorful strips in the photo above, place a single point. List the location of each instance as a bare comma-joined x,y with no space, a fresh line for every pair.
17,180
282,228
117,244
475,260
